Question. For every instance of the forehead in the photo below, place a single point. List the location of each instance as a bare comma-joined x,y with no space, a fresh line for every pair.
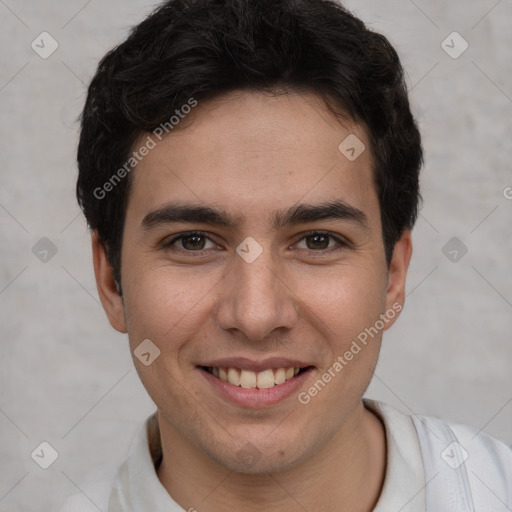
252,153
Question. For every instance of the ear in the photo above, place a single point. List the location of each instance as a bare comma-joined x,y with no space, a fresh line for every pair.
107,289
397,272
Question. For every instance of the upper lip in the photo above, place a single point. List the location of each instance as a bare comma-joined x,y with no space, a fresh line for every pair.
244,363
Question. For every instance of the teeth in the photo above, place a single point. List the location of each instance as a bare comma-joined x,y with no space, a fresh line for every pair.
233,377
280,376
251,380
265,379
247,379
223,374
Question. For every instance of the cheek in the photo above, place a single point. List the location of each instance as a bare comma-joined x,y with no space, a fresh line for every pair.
345,312
345,307
164,305
344,302
167,309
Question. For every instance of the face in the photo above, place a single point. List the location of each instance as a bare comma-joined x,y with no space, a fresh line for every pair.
252,252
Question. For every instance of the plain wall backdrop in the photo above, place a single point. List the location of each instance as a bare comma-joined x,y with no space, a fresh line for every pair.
66,377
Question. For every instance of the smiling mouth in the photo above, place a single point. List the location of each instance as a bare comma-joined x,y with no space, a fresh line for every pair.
255,380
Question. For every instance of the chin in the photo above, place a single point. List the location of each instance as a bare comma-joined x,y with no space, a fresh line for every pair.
255,459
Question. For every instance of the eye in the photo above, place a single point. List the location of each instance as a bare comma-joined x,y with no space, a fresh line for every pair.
195,241
320,241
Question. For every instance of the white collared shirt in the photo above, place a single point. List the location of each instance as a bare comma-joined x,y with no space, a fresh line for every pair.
413,443
136,487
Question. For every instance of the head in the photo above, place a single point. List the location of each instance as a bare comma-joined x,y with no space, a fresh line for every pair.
279,133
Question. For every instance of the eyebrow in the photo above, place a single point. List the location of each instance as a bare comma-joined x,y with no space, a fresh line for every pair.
298,214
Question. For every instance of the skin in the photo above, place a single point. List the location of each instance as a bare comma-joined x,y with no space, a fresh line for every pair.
253,153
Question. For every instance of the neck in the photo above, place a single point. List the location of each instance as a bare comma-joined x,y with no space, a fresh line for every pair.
346,473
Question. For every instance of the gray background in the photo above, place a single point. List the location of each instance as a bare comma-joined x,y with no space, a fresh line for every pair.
66,376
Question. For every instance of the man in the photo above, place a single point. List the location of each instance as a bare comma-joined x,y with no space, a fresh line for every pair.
249,170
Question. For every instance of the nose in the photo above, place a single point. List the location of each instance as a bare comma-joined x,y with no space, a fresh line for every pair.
256,300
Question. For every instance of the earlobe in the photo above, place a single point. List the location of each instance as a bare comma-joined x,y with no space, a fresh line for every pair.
107,286
395,294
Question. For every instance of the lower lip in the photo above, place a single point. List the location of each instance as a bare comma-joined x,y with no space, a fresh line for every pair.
253,397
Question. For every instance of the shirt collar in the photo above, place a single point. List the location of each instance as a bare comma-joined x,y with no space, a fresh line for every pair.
137,486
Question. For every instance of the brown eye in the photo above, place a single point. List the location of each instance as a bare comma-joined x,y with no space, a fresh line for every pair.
317,241
193,242
190,242
320,241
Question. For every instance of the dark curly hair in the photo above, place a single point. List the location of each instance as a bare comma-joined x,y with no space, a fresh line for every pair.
205,48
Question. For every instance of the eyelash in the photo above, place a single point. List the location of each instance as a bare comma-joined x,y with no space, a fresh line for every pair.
342,244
